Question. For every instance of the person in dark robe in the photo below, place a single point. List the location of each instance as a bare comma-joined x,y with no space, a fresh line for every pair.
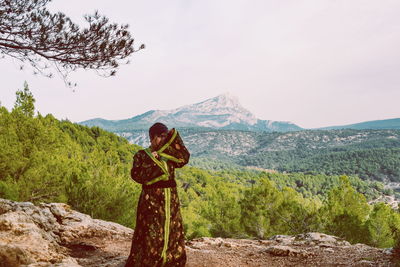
158,239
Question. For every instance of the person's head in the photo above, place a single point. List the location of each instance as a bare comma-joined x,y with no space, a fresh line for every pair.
158,133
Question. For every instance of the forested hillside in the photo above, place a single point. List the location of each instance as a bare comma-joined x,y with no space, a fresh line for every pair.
369,154
377,124
43,159
381,164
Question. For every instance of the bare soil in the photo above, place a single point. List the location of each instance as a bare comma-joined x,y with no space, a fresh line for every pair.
205,252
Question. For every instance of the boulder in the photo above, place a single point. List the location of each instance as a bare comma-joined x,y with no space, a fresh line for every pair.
38,235
285,251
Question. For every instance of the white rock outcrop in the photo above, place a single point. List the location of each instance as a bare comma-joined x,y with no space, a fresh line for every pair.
43,235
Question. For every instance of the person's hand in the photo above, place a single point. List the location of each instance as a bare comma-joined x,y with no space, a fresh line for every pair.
155,154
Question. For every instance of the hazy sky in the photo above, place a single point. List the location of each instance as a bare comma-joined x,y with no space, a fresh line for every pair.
315,63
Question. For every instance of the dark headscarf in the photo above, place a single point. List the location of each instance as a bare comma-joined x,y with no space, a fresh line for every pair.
157,129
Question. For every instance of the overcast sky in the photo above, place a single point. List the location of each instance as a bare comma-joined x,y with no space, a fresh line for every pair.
315,63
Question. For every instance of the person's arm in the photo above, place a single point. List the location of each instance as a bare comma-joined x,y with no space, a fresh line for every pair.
180,152
137,171
174,150
143,170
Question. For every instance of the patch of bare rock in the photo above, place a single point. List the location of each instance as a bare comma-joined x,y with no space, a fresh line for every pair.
55,235
310,249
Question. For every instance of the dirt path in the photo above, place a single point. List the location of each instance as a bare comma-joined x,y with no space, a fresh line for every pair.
205,252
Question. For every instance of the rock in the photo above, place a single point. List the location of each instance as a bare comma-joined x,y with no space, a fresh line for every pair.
331,250
360,246
283,239
194,247
24,234
228,245
211,241
13,256
38,235
68,262
5,205
388,251
59,210
390,200
219,241
365,263
319,238
285,251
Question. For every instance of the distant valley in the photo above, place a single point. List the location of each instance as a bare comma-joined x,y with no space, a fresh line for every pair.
371,154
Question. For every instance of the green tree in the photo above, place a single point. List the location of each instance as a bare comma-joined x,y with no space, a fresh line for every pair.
222,209
383,226
345,212
296,214
25,102
258,207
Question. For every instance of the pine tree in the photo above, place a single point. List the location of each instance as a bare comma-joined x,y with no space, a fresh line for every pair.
25,102
345,212
34,35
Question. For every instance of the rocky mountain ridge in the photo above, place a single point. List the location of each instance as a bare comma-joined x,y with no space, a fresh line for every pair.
221,112
234,143
55,235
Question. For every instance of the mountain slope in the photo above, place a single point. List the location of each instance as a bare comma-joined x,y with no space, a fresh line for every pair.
221,112
376,124
233,142
371,154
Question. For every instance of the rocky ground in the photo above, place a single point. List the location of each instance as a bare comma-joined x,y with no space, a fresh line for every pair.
54,235
390,200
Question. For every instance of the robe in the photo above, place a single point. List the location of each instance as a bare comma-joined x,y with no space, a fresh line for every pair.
158,239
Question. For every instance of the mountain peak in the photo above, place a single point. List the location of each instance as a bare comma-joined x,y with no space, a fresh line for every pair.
227,99
222,103
227,96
